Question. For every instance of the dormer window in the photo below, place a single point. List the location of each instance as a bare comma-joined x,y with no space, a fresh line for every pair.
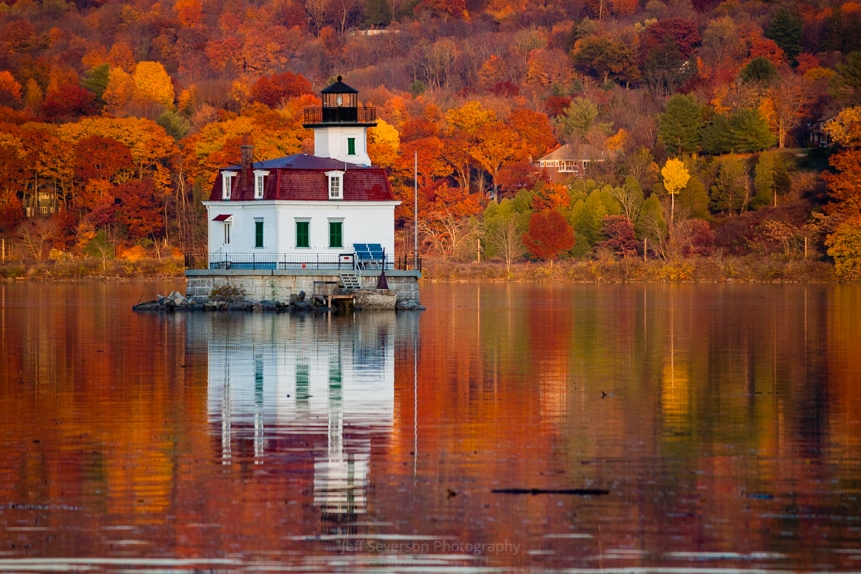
227,183
259,183
336,184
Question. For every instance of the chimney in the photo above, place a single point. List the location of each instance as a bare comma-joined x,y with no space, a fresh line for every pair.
245,171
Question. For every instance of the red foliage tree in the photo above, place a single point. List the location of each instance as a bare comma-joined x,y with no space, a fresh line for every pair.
11,212
68,102
556,105
681,31
549,235
621,237
520,175
139,208
273,90
418,128
99,157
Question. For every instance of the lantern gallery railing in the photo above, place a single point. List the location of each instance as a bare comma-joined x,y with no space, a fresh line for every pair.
362,115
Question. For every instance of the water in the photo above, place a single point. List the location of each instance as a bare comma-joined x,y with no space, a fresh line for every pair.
694,427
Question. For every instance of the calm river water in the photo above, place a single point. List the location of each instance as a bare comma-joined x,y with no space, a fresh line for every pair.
695,427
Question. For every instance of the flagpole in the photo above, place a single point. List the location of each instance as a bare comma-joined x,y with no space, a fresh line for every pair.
416,208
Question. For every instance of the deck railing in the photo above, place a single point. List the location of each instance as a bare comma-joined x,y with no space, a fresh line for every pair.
283,261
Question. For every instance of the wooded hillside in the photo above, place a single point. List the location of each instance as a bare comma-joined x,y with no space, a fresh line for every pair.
115,116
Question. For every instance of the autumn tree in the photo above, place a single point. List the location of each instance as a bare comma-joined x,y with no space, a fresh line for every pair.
497,145
604,58
139,208
504,225
845,183
100,163
10,90
730,192
621,237
785,104
675,176
549,234
274,89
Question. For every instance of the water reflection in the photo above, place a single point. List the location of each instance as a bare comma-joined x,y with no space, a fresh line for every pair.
723,420
327,381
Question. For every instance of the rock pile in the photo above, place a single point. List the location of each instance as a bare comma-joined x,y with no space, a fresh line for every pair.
178,302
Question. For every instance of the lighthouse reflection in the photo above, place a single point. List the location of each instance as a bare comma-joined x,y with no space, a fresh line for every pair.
325,383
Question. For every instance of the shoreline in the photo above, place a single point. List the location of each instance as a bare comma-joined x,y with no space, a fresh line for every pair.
729,269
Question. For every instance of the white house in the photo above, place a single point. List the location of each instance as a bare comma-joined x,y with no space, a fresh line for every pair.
302,210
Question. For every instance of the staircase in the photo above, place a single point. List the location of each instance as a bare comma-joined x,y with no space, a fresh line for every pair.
350,281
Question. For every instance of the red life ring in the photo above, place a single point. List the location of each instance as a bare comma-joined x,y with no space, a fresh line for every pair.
303,266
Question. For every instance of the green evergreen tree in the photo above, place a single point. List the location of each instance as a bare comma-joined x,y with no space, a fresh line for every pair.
680,124
716,136
846,85
750,132
96,80
694,199
786,29
760,70
578,118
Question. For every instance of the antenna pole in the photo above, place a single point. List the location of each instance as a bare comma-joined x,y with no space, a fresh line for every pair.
416,208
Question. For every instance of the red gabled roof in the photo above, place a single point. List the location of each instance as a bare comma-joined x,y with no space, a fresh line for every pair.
303,178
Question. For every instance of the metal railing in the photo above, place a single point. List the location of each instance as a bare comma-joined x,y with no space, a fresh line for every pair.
362,115
284,262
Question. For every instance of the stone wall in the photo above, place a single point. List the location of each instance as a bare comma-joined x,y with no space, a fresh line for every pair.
275,286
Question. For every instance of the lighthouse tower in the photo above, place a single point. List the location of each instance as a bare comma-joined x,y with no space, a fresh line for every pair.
341,125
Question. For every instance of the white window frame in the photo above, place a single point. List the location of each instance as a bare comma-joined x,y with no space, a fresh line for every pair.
335,184
259,182
227,183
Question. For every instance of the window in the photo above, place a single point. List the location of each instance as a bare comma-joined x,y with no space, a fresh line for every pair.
226,232
226,184
351,146
258,233
302,234
259,183
336,233
335,184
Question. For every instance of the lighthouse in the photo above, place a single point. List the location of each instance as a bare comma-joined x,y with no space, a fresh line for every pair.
341,125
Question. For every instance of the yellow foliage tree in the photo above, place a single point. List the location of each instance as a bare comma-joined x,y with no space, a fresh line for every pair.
119,91
845,129
676,177
153,85
384,142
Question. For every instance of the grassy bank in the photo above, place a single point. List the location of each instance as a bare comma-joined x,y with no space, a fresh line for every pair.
710,269
87,267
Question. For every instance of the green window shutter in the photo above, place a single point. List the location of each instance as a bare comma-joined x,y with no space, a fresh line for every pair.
258,234
351,146
302,234
336,234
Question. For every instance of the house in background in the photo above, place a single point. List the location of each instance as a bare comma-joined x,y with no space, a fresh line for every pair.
818,136
571,160
285,225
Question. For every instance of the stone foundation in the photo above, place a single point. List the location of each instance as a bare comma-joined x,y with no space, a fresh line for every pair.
273,285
